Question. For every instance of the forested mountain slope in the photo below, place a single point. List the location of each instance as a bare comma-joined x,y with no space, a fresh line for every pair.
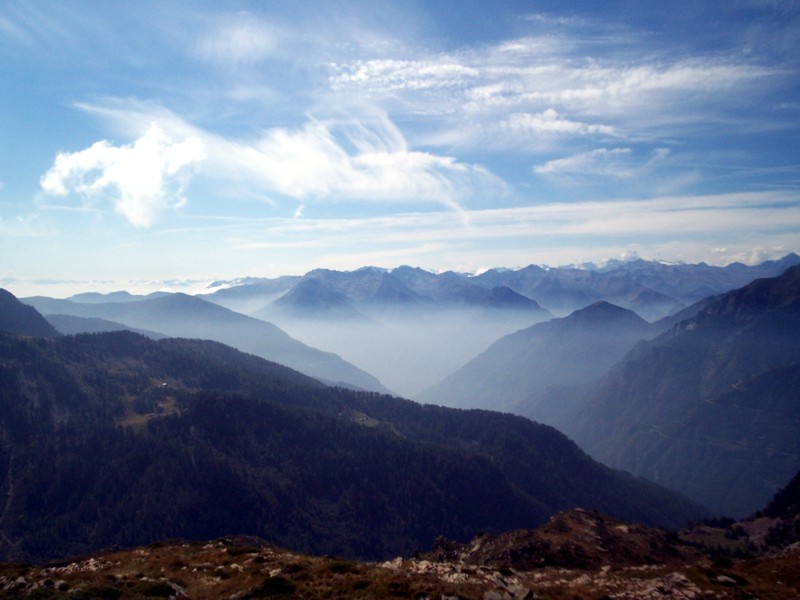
114,438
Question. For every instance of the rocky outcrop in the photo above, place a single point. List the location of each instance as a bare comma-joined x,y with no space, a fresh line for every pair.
575,539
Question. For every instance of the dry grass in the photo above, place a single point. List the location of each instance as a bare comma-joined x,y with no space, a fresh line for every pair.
245,568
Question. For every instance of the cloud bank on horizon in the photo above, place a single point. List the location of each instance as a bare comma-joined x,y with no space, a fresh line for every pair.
158,142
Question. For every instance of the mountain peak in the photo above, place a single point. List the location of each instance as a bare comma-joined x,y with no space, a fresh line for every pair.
312,297
604,312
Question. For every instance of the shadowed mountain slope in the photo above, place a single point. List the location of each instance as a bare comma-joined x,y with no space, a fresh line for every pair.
20,319
710,407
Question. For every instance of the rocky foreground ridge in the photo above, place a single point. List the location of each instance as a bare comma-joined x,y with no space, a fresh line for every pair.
577,554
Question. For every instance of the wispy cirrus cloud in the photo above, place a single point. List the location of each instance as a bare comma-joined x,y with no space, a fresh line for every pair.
718,215
15,32
549,122
380,76
477,93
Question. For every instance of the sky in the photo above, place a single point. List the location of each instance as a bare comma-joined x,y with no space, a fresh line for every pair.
162,145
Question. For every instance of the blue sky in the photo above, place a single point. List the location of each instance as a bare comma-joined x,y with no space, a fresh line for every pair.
159,145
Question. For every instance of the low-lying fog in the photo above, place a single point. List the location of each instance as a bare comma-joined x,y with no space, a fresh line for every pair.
411,351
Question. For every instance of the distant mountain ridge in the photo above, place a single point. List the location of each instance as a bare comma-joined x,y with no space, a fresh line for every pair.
180,315
407,326
412,328
371,289
70,325
651,288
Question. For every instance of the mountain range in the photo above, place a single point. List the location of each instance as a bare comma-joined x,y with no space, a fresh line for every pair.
117,439
704,402
407,329
411,328
653,289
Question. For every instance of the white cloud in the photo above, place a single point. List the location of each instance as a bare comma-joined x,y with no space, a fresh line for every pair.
619,163
351,160
140,180
549,122
364,159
